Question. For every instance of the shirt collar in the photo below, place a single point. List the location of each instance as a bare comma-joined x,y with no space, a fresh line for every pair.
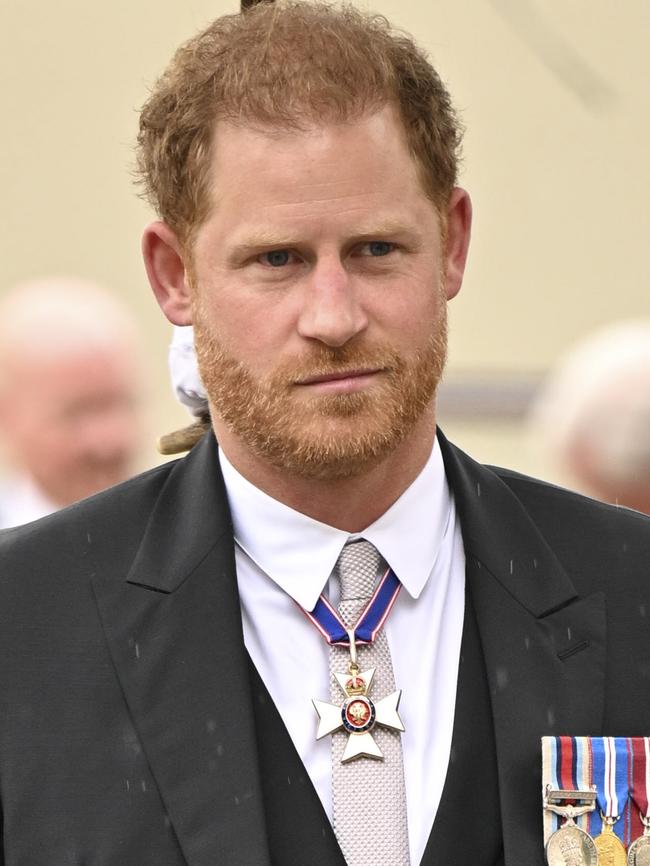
299,553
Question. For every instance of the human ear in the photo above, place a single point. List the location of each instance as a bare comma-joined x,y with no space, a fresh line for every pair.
459,227
165,265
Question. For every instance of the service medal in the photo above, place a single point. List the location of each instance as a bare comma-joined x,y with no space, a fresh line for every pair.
571,846
611,851
639,852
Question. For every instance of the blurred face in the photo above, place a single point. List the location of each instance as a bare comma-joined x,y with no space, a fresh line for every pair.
320,288
72,422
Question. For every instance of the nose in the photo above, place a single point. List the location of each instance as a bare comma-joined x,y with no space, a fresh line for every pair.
331,311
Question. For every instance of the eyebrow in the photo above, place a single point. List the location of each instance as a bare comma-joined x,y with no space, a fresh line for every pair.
265,239
262,240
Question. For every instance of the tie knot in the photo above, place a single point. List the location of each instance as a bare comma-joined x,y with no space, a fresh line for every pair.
357,568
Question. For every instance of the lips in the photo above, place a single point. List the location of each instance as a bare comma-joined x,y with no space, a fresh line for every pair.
321,378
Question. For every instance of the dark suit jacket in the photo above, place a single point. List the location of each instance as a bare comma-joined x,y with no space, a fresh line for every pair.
127,704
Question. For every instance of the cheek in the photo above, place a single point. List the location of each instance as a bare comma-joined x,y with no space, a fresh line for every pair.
254,328
38,432
52,456
410,315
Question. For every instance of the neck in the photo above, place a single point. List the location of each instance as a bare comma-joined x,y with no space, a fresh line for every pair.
350,504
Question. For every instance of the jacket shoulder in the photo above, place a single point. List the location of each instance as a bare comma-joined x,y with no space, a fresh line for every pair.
588,536
532,491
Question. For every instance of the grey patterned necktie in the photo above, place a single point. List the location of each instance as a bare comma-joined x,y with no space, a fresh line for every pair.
369,796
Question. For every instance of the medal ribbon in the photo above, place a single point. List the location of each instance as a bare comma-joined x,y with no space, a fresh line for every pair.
640,783
641,774
567,766
572,763
567,763
549,779
610,774
372,617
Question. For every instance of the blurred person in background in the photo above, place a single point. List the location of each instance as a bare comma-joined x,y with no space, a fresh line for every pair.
69,395
592,416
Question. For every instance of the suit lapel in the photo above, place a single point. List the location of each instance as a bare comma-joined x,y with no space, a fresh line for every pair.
544,647
173,625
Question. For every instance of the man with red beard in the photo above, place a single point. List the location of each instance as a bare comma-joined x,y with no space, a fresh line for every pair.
216,674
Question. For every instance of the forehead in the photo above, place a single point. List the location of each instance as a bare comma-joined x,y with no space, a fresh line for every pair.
322,168
59,375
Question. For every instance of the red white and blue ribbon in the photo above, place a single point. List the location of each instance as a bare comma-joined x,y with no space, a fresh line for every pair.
372,617
611,776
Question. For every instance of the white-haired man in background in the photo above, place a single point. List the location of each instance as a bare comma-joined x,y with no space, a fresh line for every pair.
593,415
69,395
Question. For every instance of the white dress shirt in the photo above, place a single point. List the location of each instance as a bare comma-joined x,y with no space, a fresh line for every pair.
284,557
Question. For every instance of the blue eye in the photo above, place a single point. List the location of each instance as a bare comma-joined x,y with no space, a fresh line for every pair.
276,258
379,248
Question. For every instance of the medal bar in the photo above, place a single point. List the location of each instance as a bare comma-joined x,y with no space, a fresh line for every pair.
603,785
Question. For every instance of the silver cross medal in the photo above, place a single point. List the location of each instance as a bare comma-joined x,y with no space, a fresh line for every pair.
358,715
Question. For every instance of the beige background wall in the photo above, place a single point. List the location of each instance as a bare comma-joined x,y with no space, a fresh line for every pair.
555,97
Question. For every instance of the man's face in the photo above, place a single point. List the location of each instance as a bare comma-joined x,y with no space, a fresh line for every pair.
319,305
72,421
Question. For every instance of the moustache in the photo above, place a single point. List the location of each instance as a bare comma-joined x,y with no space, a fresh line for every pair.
324,361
